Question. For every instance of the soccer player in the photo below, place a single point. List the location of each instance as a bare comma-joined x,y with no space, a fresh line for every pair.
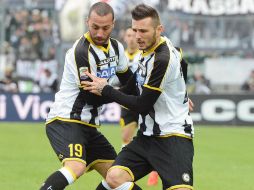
72,122
129,119
164,140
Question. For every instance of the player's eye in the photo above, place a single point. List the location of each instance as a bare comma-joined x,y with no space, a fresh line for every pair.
143,31
106,27
95,27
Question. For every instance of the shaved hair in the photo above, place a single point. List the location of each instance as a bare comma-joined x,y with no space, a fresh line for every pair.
142,11
101,9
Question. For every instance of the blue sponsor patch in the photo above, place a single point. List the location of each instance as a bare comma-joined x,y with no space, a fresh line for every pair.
140,79
107,73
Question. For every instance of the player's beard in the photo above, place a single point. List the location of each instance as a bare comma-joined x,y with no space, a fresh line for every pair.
153,41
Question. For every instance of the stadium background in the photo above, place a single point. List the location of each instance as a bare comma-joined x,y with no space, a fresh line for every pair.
218,41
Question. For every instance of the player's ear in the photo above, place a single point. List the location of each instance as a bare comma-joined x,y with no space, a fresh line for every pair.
87,19
160,28
113,25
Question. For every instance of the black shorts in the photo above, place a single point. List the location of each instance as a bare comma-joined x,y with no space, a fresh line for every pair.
128,117
171,157
74,141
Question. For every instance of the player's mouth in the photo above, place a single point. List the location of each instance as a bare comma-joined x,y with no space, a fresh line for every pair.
100,41
141,43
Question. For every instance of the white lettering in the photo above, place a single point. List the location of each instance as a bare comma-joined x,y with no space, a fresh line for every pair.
226,113
247,6
104,74
232,7
23,110
112,71
244,110
200,6
2,106
212,7
184,5
36,108
217,7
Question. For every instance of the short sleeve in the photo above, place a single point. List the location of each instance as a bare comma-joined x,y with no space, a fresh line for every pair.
123,62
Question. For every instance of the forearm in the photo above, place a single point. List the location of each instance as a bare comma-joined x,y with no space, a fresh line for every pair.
96,100
130,87
124,77
141,104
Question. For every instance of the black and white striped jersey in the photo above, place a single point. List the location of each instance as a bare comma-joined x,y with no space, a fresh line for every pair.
159,69
132,60
72,103
162,99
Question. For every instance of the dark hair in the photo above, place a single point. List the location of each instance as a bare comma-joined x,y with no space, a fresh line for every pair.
102,9
142,11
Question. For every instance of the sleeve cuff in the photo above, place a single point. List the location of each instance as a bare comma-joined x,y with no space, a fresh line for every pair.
106,90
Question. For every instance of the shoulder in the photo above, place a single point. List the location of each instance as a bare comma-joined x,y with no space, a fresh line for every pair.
115,41
117,44
81,45
162,54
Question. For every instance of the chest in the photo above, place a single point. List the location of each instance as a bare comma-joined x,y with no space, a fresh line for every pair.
103,63
144,68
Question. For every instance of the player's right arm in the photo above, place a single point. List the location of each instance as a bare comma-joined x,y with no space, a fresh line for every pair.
75,75
123,72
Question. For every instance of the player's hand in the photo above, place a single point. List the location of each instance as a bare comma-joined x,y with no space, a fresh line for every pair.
96,86
191,105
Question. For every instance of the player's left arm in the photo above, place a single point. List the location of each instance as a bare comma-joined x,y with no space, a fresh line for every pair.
123,72
141,104
184,67
150,93
151,89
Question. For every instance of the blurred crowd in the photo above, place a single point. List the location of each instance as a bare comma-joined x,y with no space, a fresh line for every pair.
229,33
225,34
249,83
30,35
29,62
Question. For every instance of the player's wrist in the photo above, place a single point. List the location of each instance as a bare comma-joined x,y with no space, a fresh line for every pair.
105,90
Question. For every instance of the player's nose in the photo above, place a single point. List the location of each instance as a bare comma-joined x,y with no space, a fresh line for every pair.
100,33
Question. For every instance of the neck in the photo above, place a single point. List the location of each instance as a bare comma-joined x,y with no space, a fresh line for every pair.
131,50
157,41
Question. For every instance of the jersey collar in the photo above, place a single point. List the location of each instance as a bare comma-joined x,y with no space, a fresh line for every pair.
88,37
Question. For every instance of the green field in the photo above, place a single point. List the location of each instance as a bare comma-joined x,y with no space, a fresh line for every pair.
224,158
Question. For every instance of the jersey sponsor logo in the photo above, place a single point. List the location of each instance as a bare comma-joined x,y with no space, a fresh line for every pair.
186,177
140,79
141,68
82,73
141,73
106,73
108,61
